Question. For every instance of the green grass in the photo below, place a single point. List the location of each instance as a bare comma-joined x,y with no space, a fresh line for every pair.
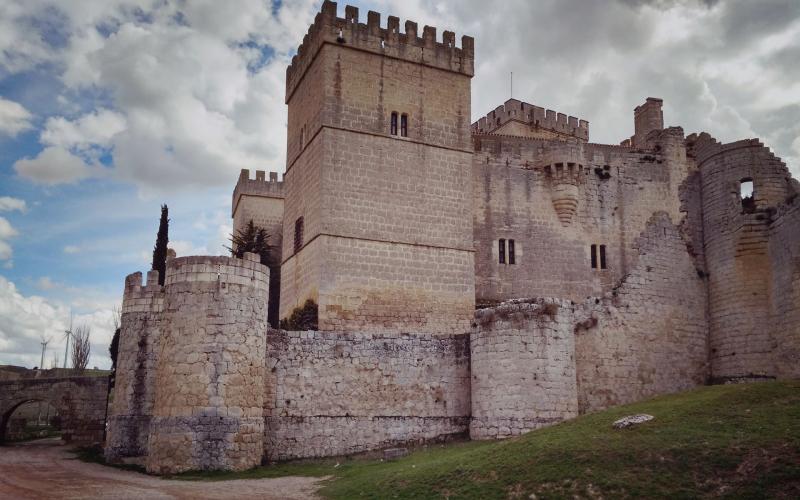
732,441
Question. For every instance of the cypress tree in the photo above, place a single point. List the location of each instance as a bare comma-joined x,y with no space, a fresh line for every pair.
160,250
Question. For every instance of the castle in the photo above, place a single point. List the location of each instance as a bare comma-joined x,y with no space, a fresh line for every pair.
602,274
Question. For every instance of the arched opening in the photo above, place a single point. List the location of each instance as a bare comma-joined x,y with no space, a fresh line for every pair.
747,195
28,420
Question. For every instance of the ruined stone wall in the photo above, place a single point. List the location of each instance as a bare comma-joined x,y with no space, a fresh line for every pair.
557,198
742,301
333,393
398,206
784,252
649,335
209,380
522,367
134,387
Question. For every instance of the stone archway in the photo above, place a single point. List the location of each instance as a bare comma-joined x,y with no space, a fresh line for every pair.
80,401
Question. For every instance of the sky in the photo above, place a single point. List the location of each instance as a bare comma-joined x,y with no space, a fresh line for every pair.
109,108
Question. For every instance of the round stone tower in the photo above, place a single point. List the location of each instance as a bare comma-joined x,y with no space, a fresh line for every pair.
737,229
209,380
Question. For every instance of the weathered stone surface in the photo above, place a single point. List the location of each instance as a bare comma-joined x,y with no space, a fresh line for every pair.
79,401
632,420
331,393
661,277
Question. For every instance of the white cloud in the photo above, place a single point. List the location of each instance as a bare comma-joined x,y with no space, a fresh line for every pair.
45,283
6,252
24,320
54,165
71,249
92,129
9,204
6,231
14,118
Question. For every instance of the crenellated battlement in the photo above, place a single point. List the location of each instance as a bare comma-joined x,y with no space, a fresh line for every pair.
260,186
534,117
219,269
389,41
142,298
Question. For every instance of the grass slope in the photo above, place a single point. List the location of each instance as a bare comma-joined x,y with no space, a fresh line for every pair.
737,441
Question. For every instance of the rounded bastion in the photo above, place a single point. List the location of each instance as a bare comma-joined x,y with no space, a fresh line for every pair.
209,387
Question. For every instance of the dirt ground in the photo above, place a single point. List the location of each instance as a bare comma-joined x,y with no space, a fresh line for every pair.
46,469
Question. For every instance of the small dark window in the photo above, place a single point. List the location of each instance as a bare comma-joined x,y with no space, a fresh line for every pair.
404,125
594,256
303,137
747,195
512,258
393,126
502,249
602,256
298,234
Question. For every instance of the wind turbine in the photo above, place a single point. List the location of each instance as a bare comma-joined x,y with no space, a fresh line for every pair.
44,342
67,335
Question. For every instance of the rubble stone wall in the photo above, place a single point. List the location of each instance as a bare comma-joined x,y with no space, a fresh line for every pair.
330,393
649,335
522,367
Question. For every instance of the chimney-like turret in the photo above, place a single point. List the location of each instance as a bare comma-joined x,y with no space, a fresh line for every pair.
646,118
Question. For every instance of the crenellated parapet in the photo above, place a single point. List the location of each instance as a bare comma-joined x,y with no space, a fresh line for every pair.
260,186
389,41
138,298
533,121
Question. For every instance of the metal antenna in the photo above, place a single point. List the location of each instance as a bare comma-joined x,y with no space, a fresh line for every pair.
512,84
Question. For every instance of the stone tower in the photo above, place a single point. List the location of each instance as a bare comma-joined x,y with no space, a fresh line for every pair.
377,221
207,409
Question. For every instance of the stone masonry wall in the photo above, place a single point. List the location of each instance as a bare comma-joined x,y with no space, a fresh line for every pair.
134,388
522,190
648,336
79,401
743,335
522,367
396,204
784,252
330,393
209,383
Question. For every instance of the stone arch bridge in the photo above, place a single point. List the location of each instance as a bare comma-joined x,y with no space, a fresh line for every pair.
80,402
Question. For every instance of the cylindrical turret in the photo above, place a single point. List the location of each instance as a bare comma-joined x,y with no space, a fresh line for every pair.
140,326
736,237
210,377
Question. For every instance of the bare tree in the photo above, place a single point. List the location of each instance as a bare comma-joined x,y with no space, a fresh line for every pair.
81,347
55,360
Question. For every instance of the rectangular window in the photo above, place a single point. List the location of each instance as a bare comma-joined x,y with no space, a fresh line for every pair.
594,256
512,258
602,256
298,234
404,125
502,249
393,126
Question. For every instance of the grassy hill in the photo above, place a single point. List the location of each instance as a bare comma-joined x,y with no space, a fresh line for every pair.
735,441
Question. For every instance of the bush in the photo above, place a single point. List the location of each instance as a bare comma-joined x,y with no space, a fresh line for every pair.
302,318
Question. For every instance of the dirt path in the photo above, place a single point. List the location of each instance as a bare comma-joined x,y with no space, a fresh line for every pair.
45,469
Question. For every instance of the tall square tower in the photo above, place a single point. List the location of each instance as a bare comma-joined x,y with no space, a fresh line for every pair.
378,210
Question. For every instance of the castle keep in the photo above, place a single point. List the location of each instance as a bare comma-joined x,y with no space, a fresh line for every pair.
480,279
